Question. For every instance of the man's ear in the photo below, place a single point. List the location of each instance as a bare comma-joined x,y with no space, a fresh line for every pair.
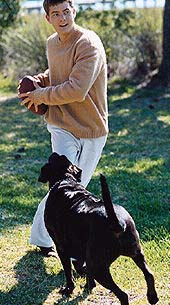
47,18
74,12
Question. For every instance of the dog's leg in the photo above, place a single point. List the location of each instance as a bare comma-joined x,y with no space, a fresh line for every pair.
98,269
68,289
66,263
65,260
139,259
90,282
79,266
102,276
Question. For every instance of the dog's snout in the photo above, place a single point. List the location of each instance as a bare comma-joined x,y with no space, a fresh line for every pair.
44,174
40,179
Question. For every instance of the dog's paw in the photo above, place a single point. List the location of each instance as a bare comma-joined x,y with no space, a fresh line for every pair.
123,298
153,299
67,291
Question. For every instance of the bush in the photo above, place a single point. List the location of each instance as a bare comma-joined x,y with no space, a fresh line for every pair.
25,48
132,40
109,25
8,13
147,39
8,16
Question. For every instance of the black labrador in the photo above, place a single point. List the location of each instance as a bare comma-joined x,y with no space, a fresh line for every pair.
90,230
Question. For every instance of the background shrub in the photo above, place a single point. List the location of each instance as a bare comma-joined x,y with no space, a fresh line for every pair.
25,47
147,39
8,16
132,40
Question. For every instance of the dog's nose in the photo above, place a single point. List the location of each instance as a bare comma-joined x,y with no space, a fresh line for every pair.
40,179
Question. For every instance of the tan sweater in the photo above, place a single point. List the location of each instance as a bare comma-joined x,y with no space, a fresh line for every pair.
77,88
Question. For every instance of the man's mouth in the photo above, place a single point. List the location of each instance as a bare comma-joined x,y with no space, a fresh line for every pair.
63,26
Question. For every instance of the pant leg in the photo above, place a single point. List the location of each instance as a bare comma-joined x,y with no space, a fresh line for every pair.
89,157
39,235
64,143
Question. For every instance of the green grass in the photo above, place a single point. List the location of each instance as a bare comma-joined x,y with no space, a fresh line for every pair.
7,86
137,165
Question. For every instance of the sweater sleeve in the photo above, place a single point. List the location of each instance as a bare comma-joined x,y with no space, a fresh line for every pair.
88,64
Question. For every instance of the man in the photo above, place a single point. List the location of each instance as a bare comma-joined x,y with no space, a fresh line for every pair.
76,94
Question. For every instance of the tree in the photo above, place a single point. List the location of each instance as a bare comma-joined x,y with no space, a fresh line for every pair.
8,13
162,78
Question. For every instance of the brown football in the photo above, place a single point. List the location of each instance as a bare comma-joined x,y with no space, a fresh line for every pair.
26,85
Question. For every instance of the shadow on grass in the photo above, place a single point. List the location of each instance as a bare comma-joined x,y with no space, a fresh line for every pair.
20,127
20,191
35,284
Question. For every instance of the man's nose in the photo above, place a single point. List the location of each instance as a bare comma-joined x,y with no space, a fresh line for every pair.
62,17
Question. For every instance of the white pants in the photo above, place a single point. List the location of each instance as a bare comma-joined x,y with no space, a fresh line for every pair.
85,153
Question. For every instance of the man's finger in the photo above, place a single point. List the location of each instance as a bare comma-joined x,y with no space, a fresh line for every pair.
36,108
25,101
22,95
30,104
36,84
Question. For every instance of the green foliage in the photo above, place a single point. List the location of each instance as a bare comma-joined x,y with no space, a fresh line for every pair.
147,38
132,40
7,85
136,163
109,25
8,13
25,47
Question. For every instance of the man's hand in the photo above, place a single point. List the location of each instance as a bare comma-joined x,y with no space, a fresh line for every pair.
27,97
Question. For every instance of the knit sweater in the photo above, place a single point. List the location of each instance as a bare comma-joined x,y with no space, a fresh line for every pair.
76,82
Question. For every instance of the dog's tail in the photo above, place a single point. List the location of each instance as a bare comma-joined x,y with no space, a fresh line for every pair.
113,220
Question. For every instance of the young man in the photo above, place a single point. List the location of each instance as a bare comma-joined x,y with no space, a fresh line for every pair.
76,93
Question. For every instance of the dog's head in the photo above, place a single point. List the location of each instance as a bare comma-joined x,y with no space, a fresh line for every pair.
56,168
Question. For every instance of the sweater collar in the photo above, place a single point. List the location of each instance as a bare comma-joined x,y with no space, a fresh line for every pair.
69,37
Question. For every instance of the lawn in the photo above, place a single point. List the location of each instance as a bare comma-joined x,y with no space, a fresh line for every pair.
136,162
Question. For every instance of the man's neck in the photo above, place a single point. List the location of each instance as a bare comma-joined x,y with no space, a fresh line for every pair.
64,36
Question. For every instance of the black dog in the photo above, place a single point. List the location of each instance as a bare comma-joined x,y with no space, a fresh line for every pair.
89,230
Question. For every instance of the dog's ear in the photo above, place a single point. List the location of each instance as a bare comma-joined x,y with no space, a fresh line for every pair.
65,161
75,171
54,157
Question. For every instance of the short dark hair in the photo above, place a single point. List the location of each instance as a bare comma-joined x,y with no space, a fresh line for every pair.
48,3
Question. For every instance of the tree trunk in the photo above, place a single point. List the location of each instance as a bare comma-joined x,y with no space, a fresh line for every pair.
162,78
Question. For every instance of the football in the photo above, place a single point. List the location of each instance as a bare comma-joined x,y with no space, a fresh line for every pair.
26,85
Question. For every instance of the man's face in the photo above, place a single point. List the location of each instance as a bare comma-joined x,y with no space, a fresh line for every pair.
61,17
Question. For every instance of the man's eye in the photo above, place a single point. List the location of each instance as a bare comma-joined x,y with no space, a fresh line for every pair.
66,12
55,14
